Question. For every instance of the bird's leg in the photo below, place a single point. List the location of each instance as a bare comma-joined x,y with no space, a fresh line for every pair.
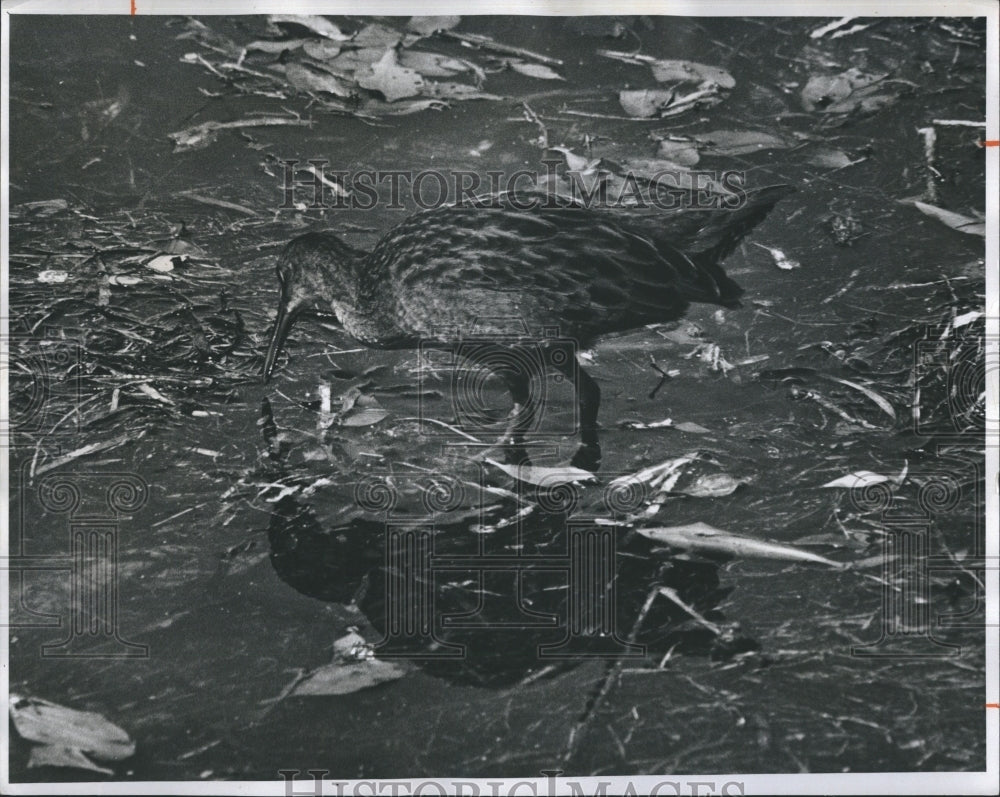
588,455
522,414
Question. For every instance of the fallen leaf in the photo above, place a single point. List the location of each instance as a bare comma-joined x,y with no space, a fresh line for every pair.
52,276
691,428
543,476
322,49
429,25
355,668
830,159
667,70
684,153
433,64
375,35
739,142
712,485
645,103
321,26
163,263
539,71
68,737
309,79
392,80
46,755
781,260
457,91
276,47
708,539
45,207
666,423
124,280
840,93
367,416
954,220
857,480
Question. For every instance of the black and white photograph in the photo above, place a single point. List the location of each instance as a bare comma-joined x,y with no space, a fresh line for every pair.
500,399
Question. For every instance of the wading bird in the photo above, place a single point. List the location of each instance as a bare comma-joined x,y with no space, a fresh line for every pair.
443,277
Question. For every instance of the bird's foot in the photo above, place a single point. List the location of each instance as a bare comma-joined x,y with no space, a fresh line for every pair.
587,457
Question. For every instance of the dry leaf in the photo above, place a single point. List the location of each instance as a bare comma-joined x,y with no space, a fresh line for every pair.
534,70
545,477
708,539
392,80
954,220
429,25
666,71
321,26
309,79
857,480
68,737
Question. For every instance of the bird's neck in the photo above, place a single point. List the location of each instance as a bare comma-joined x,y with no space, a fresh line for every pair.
364,302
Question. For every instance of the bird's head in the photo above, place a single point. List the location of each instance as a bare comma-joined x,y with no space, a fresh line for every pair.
313,271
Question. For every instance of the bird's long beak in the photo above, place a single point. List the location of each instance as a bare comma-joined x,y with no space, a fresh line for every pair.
283,323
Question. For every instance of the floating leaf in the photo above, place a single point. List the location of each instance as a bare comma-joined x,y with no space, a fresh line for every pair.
68,737
781,260
712,485
52,276
124,280
430,25
666,423
691,428
356,668
546,477
164,263
674,71
574,162
858,480
367,416
321,26
830,159
322,49
433,64
739,142
456,91
843,93
392,80
539,71
708,539
684,153
667,71
645,103
378,36
309,79
280,46
46,207
954,220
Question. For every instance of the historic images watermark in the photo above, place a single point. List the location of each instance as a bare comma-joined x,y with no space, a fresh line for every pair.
314,185
549,785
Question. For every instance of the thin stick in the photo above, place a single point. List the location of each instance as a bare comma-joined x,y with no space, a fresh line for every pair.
486,43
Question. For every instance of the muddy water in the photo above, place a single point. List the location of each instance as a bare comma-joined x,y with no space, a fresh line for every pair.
236,593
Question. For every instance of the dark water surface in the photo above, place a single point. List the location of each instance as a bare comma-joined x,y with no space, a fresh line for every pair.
236,590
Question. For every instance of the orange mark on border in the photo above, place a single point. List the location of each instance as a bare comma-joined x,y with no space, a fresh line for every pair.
993,705
132,7
991,143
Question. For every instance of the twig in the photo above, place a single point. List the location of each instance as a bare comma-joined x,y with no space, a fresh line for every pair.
543,132
604,685
930,140
486,43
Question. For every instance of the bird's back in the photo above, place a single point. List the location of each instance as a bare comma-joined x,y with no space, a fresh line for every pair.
583,272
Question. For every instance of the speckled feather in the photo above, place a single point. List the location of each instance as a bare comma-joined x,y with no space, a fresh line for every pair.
457,271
